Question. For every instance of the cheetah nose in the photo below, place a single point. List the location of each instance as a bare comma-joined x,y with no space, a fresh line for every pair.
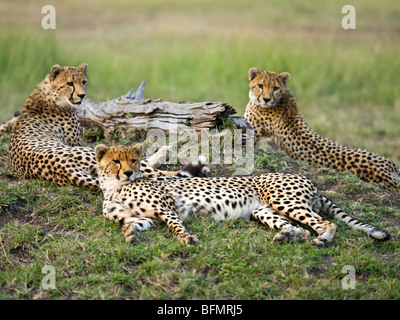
82,95
128,173
266,100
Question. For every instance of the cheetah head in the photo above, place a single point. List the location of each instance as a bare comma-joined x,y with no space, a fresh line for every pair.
68,84
119,164
267,87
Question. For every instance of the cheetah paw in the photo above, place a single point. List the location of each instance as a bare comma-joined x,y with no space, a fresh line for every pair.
133,236
295,234
188,239
320,242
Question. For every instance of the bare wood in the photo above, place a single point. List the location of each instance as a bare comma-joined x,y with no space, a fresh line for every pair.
131,111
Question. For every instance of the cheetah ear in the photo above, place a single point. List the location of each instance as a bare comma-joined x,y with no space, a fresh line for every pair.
100,151
253,72
138,147
84,67
285,77
55,71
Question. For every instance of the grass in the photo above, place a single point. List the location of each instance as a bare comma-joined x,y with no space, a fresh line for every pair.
43,224
346,85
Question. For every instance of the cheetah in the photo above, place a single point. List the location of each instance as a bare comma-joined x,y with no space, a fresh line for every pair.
45,141
276,200
272,112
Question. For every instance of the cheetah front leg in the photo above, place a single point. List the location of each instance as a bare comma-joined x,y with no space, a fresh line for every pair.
133,225
174,222
116,210
289,231
149,166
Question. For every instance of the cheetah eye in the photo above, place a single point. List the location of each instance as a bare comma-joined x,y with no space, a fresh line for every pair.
116,161
134,161
84,82
276,88
70,84
260,85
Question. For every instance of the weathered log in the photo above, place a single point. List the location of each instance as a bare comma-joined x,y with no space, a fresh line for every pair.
132,111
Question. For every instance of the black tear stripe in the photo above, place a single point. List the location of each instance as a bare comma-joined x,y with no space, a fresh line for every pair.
258,98
73,90
117,172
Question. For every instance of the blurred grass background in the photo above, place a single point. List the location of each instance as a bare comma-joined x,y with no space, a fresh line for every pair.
346,81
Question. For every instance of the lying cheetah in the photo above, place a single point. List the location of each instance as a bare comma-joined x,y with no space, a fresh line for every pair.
273,113
45,142
276,200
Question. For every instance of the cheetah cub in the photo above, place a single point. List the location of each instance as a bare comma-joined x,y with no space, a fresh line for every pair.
276,200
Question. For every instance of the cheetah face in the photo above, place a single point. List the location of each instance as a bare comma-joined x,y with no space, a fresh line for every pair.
68,84
267,87
119,163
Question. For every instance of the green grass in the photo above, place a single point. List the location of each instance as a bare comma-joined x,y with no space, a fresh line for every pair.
346,85
43,224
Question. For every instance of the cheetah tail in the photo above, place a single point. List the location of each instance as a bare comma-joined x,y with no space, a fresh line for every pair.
8,126
195,169
329,207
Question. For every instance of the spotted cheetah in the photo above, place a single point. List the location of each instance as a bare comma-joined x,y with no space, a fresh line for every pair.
45,142
276,200
272,112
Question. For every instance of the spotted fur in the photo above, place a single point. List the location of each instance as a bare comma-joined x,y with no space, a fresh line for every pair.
45,142
273,113
276,200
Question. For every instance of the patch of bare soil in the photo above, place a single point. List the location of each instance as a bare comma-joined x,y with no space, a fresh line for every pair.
16,213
